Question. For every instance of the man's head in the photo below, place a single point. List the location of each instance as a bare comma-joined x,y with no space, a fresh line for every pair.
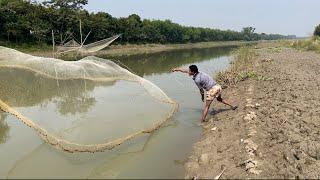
193,69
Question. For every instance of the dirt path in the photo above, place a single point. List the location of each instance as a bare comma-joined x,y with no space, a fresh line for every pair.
275,133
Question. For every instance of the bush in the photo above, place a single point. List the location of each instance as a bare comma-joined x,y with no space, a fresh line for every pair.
317,31
241,68
309,45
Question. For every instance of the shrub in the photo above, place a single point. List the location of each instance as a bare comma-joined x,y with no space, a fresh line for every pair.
317,31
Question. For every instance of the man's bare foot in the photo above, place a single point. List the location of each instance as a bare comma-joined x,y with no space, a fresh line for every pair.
234,107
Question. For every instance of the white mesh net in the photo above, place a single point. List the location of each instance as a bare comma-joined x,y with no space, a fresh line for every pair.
80,106
89,48
97,46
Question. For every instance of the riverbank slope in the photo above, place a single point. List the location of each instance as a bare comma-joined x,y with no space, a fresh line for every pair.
132,49
275,131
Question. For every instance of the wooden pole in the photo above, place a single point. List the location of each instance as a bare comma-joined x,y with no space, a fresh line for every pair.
53,44
85,38
80,31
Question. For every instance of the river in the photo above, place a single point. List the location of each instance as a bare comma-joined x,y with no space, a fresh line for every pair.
159,155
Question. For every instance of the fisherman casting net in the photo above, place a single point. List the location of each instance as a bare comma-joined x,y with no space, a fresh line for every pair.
88,105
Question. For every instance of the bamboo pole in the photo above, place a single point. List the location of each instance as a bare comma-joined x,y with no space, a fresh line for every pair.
80,31
53,43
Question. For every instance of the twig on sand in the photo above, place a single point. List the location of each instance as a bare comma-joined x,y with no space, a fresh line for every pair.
284,121
223,169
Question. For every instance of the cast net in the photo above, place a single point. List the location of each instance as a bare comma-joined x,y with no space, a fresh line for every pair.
88,105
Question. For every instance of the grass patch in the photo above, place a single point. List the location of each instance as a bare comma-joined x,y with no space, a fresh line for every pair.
312,44
241,68
274,49
27,47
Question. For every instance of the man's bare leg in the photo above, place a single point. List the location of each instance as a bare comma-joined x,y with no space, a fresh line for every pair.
226,102
206,110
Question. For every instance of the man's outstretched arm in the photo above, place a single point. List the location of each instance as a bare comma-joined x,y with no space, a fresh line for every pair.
180,70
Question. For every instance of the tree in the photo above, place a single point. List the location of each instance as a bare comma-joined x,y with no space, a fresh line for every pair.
102,25
248,33
150,32
66,13
66,4
32,22
14,20
317,31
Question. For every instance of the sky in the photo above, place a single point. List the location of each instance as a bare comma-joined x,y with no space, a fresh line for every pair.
287,17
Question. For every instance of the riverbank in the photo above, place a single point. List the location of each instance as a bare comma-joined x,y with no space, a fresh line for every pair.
312,44
133,49
129,50
275,131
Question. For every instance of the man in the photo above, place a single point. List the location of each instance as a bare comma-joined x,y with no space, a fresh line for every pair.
205,82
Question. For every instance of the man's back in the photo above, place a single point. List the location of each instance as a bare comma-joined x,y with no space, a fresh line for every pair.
204,81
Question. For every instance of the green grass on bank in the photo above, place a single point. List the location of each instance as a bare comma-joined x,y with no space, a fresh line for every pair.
242,68
27,47
312,44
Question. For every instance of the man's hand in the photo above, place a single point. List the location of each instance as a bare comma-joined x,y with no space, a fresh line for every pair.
180,70
174,69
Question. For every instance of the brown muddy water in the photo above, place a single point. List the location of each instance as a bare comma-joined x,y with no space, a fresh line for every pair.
113,111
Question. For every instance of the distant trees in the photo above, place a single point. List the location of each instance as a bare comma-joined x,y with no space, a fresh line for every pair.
66,4
248,33
26,21
317,31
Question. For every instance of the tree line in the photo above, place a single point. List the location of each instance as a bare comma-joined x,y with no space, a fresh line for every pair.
33,22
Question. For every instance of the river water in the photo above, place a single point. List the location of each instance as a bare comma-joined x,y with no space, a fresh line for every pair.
159,155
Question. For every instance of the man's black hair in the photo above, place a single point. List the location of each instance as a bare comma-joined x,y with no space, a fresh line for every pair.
193,68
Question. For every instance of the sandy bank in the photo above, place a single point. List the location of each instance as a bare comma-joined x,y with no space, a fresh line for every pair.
275,131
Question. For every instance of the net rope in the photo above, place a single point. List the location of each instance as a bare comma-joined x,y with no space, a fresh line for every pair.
89,68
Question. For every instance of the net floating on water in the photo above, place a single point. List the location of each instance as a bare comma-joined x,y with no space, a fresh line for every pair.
61,73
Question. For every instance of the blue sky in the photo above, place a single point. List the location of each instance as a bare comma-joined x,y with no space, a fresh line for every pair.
297,17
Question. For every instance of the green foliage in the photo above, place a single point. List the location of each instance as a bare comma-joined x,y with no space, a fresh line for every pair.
241,68
27,47
246,75
31,22
66,4
248,33
252,75
308,45
317,31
